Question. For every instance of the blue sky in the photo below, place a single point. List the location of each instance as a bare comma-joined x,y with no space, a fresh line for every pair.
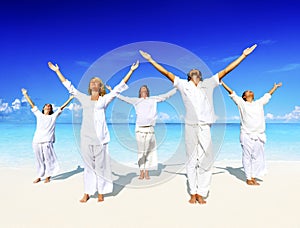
75,34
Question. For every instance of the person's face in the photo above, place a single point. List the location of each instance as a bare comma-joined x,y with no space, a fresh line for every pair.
47,109
144,92
95,85
195,76
249,96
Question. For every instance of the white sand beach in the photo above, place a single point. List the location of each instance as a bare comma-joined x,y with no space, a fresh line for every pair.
231,203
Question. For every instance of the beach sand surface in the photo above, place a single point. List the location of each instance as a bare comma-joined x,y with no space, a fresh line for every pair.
231,203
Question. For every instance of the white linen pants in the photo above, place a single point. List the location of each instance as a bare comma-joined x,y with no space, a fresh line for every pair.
146,142
199,158
46,160
253,157
97,173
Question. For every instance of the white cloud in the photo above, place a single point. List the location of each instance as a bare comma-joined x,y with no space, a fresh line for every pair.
163,117
289,117
16,105
287,67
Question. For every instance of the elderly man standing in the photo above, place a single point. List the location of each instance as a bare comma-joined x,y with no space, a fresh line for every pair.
197,95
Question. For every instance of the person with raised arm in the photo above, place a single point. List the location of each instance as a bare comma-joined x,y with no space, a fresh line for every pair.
252,131
197,95
146,113
94,134
44,137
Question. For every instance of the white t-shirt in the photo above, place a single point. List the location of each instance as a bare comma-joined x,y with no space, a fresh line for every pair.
45,126
198,100
94,129
251,114
146,108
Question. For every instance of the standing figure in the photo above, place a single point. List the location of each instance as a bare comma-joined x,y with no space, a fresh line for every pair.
252,135
197,95
146,112
44,137
94,135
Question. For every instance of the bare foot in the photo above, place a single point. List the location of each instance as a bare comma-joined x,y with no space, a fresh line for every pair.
200,199
100,198
47,180
142,175
37,180
254,181
193,199
85,198
147,175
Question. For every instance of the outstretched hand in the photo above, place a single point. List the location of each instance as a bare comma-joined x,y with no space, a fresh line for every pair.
24,91
249,50
53,67
145,55
135,65
277,85
108,87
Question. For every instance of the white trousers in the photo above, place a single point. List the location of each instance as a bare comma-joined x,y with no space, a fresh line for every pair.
97,169
147,154
199,158
46,160
253,157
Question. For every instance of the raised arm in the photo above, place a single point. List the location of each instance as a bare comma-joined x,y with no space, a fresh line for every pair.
275,87
55,68
66,103
230,91
160,68
24,91
236,62
132,68
165,96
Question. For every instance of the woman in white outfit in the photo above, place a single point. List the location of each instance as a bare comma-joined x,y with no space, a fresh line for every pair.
44,137
197,96
252,135
94,133
146,113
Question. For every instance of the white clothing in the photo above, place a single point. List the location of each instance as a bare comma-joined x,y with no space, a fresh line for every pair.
253,157
42,144
252,136
146,113
200,157
46,160
146,108
198,102
147,154
45,126
252,115
94,139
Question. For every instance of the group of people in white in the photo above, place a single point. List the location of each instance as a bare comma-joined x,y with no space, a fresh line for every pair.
197,96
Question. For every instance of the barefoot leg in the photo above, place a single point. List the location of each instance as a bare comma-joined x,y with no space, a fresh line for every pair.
100,198
147,175
47,180
142,175
193,199
250,182
254,181
37,180
85,198
200,199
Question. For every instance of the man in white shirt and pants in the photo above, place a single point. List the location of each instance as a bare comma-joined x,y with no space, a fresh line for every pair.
197,95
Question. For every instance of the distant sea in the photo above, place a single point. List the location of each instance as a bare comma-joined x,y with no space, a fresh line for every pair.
283,143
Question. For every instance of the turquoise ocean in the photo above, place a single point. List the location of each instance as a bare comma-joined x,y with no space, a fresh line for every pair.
283,143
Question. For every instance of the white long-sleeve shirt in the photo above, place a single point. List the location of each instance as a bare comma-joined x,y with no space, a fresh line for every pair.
45,126
94,128
198,100
252,114
146,108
